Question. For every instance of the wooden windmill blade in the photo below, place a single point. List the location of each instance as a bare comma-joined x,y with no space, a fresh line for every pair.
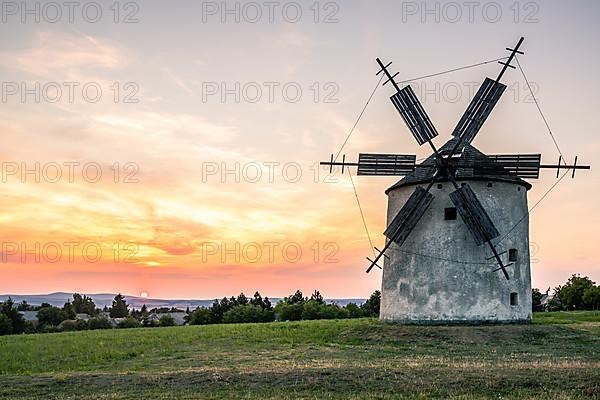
411,110
414,115
483,103
405,220
409,215
386,164
371,164
477,220
479,110
525,166
471,211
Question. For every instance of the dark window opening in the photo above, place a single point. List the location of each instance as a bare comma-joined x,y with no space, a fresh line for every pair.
490,184
463,184
519,189
513,254
450,213
440,186
514,299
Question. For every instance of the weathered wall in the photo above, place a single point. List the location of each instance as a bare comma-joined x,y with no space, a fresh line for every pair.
424,283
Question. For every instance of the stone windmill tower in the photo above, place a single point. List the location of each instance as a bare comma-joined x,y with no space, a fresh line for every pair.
455,220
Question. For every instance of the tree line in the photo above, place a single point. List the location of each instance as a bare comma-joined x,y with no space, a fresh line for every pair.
295,307
240,309
57,319
578,293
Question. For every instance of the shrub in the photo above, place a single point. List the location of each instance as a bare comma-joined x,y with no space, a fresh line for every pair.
354,311
333,311
289,312
99,323
68,325
129,322
313,310
166,320
48,329
200,316
248,313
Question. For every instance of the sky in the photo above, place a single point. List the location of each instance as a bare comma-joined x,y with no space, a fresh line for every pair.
171,149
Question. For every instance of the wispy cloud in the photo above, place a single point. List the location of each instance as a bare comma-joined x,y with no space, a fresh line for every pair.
60,55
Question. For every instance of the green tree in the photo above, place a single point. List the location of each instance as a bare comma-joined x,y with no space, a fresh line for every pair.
571,294
5,325
70,325
289,312
267,304
144,311
354,311
316,297
129,322
68,308
217,309
24,306
333,311
99,323
372,305
312,310
241,299
200,316
591,297
119,308
166,320
296,298
10,311
51,316
83,304
315,310
244,313
290,308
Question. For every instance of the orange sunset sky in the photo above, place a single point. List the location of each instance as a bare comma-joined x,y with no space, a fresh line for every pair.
188,174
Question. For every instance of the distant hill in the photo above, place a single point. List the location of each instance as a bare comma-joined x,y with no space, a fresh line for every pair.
58,299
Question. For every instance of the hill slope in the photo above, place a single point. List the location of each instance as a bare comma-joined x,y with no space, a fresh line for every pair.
557,357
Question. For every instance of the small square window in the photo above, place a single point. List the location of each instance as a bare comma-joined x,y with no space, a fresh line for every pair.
490,184
440,186
514,299
450,213
513,254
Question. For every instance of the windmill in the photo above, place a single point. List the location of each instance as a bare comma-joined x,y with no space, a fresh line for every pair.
463,167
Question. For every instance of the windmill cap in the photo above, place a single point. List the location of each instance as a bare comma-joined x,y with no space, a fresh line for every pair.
465,169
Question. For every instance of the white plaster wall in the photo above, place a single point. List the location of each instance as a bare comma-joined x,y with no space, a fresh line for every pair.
437,275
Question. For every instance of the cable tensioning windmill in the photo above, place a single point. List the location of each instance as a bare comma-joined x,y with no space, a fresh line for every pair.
446,163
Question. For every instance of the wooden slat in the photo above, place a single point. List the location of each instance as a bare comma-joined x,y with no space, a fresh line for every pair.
409,215
520,165
386,164
474,215
479,110
414,115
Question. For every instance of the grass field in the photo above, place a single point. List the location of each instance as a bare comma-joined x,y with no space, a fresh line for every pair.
557,357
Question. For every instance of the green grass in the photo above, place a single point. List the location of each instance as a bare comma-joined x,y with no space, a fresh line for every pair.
557,357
